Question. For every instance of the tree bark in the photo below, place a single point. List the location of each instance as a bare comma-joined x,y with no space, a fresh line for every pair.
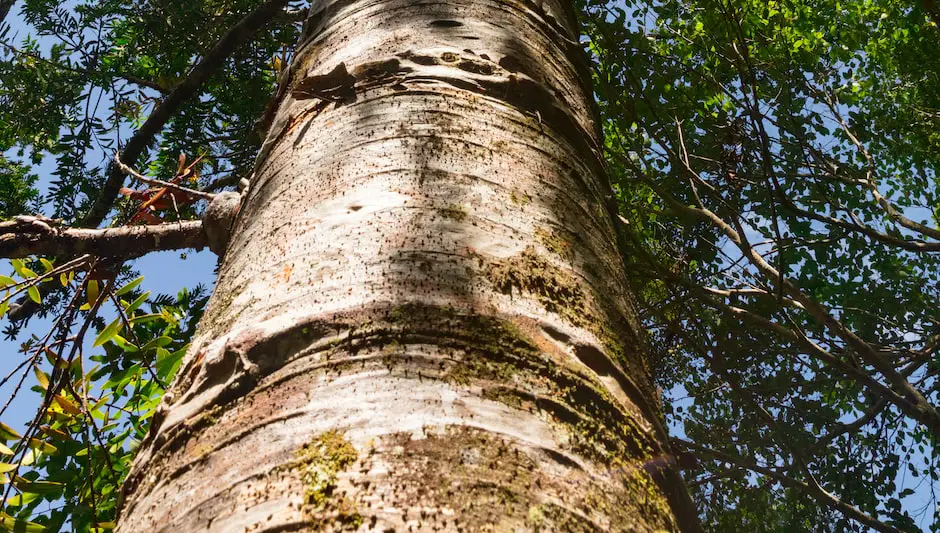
421,321
5,7
27,236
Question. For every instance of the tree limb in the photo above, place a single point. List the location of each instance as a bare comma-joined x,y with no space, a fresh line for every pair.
27,236
920,408
5,7
822,496
188,88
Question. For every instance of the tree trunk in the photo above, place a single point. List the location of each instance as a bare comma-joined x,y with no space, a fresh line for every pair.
421,321
5,7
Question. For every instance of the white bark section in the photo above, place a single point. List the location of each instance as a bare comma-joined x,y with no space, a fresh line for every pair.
424,272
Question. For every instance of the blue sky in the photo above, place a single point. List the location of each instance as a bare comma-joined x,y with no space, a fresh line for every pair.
164,272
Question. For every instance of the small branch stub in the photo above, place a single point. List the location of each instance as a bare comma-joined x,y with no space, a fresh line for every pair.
218,219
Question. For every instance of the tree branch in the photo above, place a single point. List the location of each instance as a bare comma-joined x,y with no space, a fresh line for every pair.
27,236
870,179
145,83
920,408
822,496
188,88
5,6
159,183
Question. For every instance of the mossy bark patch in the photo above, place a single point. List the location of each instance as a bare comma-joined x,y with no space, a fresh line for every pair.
471,480
529,272
319,462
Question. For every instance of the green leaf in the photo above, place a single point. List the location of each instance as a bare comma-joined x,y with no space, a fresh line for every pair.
29,457
159,342
129,309
144,319
37,487
7,433
9,523
34,294
129,287
20,500
6,281
41,378
46,265
91,294
168,363
109,332
66,405
42,446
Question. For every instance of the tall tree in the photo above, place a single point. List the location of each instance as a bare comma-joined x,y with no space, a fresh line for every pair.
773,168
421,319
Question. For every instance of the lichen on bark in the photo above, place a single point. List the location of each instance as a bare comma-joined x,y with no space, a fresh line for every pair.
318,464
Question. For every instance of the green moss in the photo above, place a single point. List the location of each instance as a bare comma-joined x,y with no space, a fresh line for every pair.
555,243
639,496
211,417
483,478
557,290
503,396
494,351
550,517
455,212
520,198
319,462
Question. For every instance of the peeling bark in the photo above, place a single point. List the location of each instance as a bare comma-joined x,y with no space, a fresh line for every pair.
421,320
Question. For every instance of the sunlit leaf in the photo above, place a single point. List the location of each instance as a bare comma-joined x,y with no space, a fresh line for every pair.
109,332
42,446
91,294
20,500
41,377
19,526
33,293
29,457
129,287
46,265
130,308
66,405
7,433
37,487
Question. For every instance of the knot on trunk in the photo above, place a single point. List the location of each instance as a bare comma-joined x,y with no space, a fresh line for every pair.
218,219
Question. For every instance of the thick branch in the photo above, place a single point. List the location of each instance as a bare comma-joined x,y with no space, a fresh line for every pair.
5,6
29,236
188,88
